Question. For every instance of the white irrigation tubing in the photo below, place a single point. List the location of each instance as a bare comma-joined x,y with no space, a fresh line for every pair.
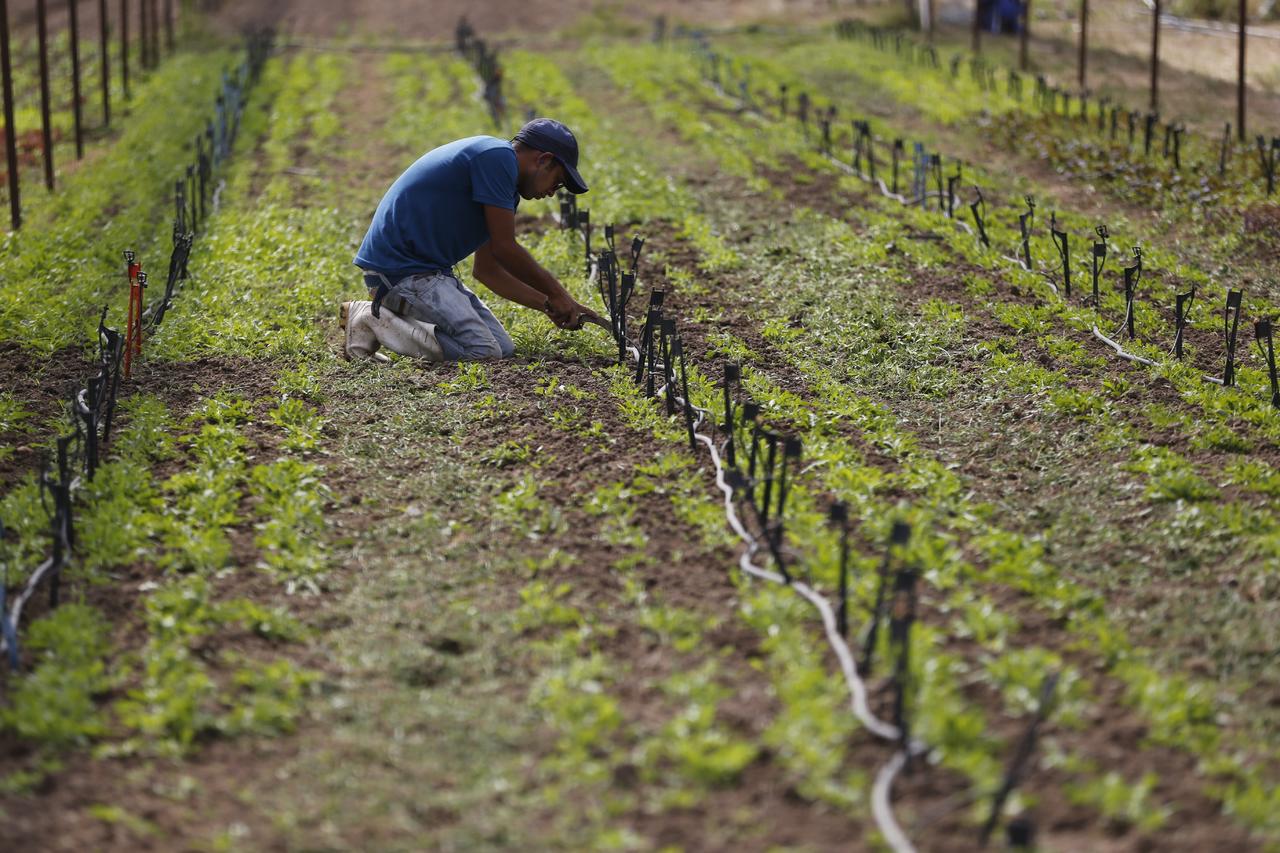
217,194
1120,351
15,613
882,809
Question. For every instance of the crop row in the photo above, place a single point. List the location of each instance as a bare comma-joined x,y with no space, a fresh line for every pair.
729,145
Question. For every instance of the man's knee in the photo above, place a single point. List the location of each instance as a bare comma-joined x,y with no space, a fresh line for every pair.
491,348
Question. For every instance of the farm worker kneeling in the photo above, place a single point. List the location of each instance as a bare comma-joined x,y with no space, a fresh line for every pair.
457,200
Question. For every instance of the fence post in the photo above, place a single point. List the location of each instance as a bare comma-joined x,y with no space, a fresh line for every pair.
46,127
104,41
1240,88
124,46
1081,72
154,18
977,26
168,24
1025,35
74,13
10,137
1155,57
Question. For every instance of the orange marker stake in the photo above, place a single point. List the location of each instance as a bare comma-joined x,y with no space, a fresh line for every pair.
133,334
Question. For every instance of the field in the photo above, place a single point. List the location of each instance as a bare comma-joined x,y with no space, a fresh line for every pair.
992,556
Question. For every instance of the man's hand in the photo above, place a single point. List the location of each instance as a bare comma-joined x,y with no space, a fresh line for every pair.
583,314
562,309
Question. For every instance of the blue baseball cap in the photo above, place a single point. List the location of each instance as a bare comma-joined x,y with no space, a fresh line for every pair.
549,135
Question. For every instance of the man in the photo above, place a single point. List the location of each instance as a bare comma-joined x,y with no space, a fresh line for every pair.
457,200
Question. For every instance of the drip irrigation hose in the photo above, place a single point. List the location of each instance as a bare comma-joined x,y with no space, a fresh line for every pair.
1121,351
882,810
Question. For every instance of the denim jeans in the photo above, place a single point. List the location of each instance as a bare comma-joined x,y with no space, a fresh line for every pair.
465,327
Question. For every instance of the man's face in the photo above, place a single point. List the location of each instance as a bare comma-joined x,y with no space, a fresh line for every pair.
543,180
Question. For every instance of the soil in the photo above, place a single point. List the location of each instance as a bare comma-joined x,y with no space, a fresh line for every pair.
761,810
42,385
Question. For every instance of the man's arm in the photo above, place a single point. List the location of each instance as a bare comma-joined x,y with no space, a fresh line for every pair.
516,262
494,276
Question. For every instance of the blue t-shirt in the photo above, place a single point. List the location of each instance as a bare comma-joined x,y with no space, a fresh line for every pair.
433,215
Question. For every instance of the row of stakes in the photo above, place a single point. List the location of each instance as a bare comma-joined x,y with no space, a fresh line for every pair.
484,60
926,168
1059,100
77,456
762,464
91,409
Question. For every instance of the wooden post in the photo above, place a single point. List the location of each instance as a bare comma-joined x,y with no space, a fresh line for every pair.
104,41
46,125
1025,36
1155,58
155,33
144,37
933,17
76,107
10,136
1240,89
1081,72
124,46
977,26
168,24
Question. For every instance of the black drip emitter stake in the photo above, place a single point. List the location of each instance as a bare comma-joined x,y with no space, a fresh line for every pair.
978,207
935,161
1099,258
732,373
1061,241
901,618
647,332
857,146
677,353
771,461
1132,275
750,411
655,323
1182,308
898,148
898,537
637,246
1266,346
566,214
1017,766
838,515
1231,325
1267,157
790,457
1024,225
668,373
